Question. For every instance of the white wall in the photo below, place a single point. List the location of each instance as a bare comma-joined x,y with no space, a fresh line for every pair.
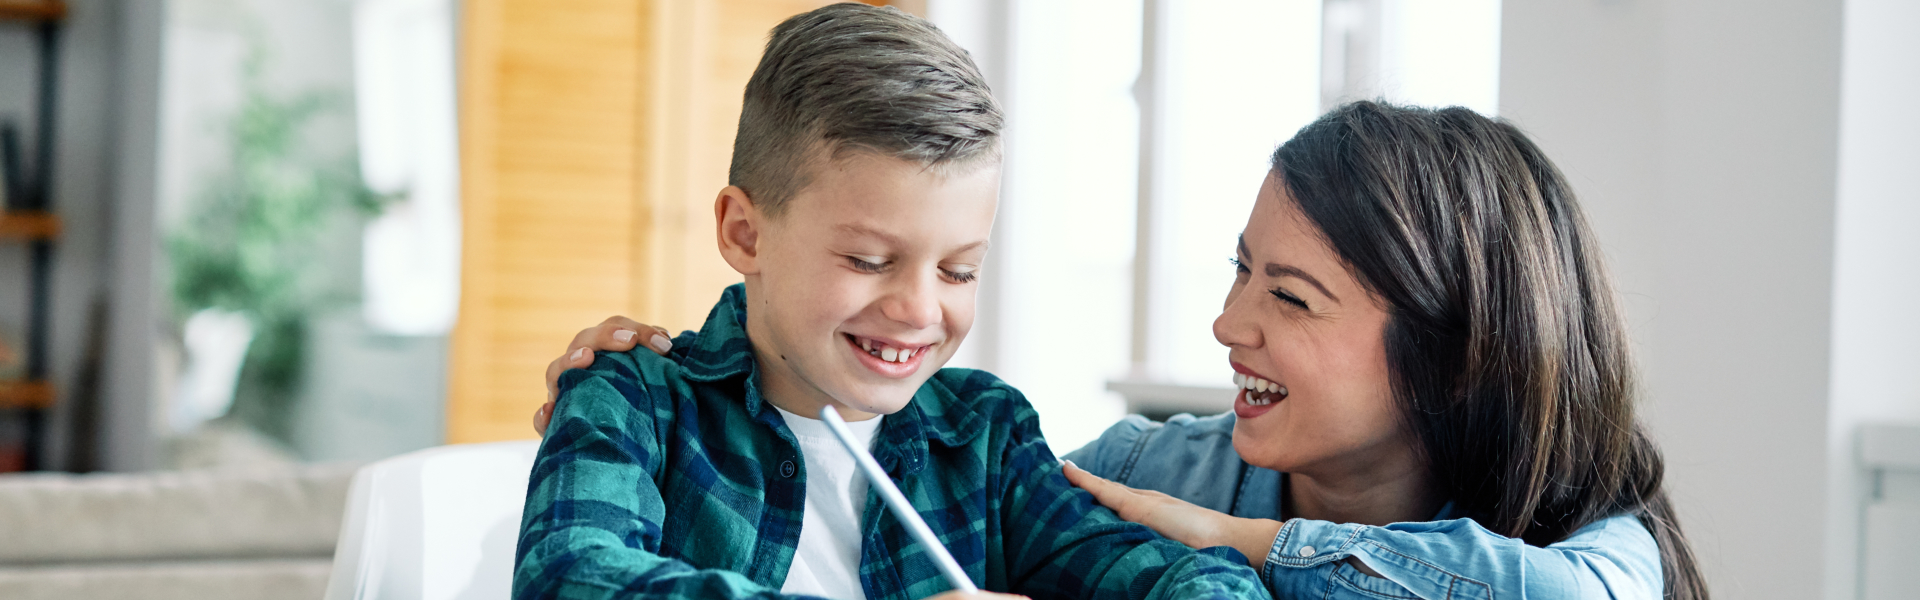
1702,137
1876,276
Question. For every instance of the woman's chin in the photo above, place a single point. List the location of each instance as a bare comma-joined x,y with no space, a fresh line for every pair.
1257,445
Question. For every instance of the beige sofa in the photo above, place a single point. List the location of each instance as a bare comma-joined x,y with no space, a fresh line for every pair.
201,535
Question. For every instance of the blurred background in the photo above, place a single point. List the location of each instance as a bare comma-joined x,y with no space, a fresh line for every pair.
260,235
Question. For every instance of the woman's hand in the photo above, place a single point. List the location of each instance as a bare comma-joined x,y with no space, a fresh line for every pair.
616,334
1179,520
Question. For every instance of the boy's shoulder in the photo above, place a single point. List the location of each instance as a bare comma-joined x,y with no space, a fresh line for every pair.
978,390
644,379
962,402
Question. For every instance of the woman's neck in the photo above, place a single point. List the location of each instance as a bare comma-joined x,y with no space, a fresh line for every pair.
1391,491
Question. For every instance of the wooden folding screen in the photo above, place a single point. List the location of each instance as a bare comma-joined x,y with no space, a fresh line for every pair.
594,136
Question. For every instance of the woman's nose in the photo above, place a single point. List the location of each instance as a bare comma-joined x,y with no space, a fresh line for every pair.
1237,324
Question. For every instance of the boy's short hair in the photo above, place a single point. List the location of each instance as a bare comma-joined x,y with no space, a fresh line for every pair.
852,77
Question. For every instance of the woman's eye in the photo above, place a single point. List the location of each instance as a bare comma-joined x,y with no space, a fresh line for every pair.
1238,267
867,266
960,276
1287,298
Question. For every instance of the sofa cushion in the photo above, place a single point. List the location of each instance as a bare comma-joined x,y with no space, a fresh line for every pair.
270,579
55,518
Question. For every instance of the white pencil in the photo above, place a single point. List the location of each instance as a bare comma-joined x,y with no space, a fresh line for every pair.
902,509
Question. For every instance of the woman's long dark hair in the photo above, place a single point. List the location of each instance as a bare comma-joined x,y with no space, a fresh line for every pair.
1508,353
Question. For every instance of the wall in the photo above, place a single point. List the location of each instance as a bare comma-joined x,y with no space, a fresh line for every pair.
1876,273
1702,137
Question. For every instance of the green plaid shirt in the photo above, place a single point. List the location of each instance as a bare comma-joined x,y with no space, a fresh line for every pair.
671,478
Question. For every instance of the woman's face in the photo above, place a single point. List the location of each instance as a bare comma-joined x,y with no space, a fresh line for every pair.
1298,319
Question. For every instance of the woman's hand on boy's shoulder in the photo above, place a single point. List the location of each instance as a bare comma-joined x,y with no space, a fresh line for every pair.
616,334
1179,520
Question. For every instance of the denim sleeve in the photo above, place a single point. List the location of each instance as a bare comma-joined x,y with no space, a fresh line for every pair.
1614,558
1060,544
1108,456
592,522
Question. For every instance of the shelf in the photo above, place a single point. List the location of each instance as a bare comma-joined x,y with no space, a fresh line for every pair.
32,10
29,225
16,393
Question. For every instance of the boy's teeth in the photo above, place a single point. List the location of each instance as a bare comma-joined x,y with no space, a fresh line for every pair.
866,344
906,354
889,354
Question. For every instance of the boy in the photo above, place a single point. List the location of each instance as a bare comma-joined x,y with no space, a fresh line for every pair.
864,181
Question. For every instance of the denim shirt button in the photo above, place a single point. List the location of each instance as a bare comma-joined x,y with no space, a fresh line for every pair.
1306,551
786,468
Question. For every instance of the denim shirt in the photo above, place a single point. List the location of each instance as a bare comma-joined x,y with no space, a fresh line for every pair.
1193,459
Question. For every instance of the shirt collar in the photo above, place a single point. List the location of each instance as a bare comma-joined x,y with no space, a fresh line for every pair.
722,351
935,414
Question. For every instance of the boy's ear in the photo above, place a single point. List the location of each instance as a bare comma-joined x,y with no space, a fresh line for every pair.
739,223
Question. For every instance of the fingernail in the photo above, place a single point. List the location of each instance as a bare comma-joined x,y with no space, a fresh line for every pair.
661,343
623,336
579,354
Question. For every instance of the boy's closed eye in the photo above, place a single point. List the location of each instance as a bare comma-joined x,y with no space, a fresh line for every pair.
868,264
957,273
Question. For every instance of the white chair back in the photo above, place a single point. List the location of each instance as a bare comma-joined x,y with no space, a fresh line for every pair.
437,524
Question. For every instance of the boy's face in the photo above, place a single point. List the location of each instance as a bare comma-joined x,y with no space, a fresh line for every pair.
864,286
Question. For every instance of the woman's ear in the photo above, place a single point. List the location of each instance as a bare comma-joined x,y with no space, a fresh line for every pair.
739,223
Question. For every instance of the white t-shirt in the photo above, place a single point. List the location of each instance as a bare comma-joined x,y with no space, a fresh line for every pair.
827,563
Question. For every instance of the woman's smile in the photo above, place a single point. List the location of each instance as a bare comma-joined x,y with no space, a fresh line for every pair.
1258,394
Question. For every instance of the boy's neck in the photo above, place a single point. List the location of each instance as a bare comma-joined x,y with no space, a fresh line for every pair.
780,387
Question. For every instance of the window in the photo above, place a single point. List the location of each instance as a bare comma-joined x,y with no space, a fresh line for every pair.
1091,310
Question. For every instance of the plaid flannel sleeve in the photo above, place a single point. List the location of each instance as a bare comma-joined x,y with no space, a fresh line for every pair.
1061,544
592,522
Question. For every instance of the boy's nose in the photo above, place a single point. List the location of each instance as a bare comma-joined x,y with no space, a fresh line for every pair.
913,305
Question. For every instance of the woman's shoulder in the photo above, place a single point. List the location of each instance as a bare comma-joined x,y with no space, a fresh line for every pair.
1118,452
1188,457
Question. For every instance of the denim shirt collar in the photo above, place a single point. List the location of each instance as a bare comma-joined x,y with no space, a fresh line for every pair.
721,352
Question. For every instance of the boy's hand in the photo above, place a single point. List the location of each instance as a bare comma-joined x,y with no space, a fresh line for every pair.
958,595
1177,519
616,334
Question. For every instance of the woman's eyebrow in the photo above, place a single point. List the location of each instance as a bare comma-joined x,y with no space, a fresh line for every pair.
1280,270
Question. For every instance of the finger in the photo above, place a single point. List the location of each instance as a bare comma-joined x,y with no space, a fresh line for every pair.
661,341
542,417
560,365
1115,497
620,334
654,337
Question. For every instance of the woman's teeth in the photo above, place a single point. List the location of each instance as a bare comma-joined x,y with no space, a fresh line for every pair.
888,354
1260,392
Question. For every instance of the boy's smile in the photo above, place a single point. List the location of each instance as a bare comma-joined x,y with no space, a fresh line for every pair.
887,357
863,286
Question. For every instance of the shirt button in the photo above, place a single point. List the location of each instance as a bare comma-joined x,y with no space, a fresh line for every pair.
1306,551
786,468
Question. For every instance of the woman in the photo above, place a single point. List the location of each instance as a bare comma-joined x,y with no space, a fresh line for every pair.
1437,400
